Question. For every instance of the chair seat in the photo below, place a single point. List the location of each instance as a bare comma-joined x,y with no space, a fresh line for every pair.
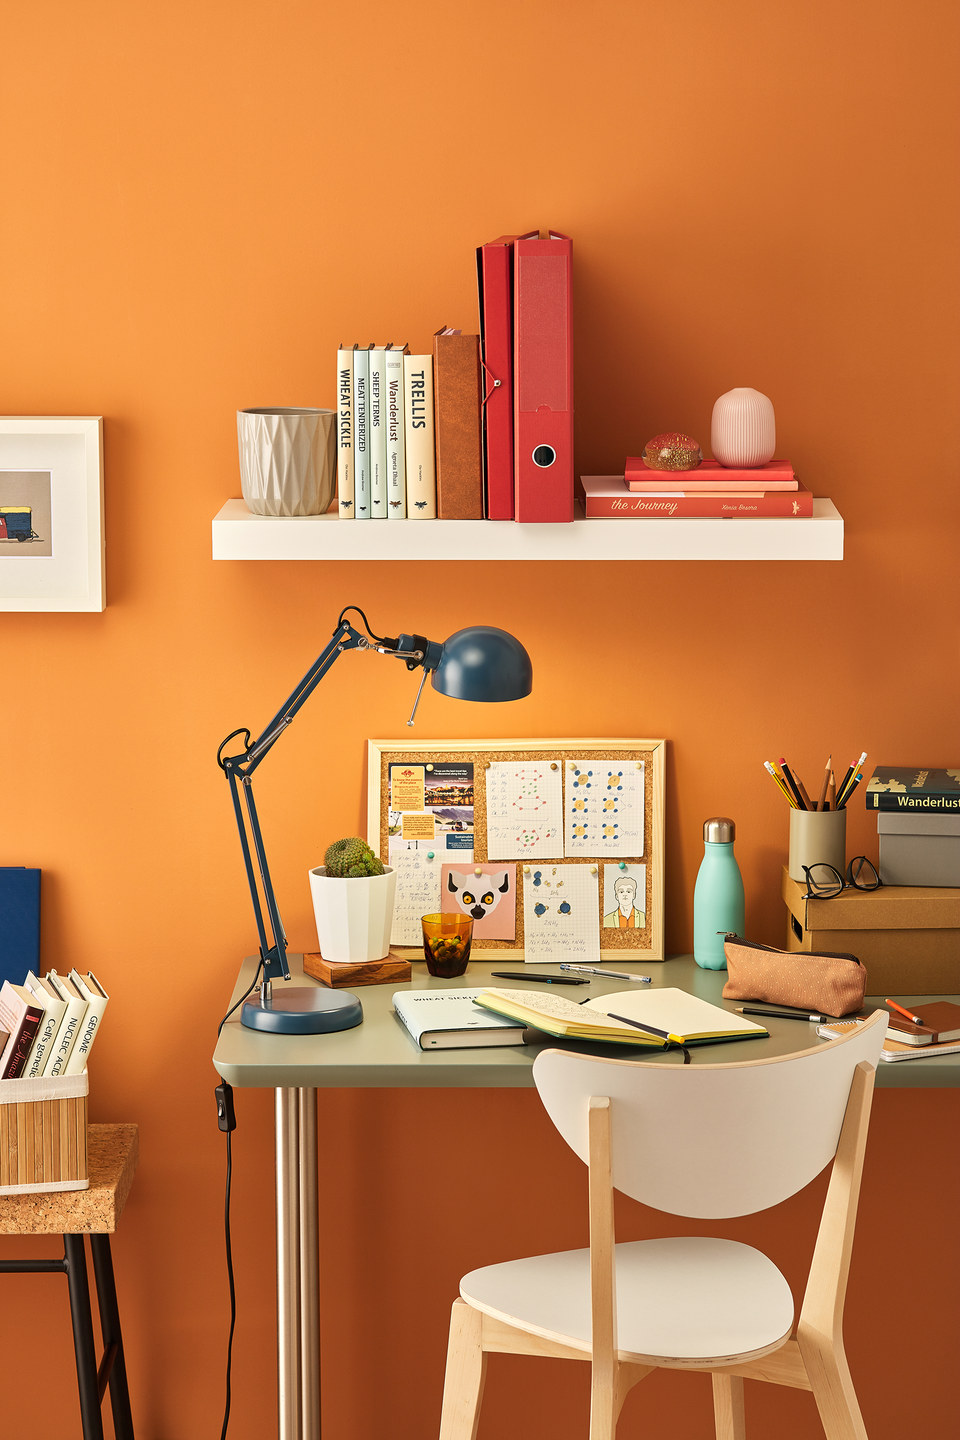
685,1300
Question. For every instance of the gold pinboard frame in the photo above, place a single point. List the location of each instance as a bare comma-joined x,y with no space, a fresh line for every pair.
616,944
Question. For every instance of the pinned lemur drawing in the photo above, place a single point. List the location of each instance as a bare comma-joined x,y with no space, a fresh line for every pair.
474,901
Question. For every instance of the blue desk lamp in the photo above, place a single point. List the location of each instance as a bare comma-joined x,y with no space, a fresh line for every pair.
479,663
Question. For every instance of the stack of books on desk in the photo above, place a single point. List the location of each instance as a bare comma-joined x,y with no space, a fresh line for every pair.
918,820
938,1034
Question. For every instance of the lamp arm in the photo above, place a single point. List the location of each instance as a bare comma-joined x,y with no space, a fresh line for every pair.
417,651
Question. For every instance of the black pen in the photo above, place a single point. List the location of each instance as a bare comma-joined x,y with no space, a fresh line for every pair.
781,1014
544,979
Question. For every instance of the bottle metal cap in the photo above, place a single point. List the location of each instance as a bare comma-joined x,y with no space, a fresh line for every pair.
719,830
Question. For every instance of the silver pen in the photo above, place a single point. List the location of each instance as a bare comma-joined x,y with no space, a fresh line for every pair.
608,974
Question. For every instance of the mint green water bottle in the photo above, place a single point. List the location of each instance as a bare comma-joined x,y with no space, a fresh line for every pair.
718,896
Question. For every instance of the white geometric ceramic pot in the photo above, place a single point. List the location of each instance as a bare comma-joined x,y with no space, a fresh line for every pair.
743,432
354,914
287,460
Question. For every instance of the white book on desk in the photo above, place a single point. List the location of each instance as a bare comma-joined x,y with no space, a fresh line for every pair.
96,997
449,1020
70,1025
53,1012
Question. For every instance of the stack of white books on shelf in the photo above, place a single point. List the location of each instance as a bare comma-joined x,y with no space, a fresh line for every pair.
386,462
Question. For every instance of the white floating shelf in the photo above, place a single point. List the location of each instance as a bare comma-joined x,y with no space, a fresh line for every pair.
239,535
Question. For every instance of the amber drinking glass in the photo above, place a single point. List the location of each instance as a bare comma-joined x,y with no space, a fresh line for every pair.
446,943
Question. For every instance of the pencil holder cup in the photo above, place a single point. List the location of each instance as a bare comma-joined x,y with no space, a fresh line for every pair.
817,837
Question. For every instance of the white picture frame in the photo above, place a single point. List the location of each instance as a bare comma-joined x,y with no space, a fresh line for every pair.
51,513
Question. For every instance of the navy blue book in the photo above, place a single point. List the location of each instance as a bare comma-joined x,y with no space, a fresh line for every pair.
19,922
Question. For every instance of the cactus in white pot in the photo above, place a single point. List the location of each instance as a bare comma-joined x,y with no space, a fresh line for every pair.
353,894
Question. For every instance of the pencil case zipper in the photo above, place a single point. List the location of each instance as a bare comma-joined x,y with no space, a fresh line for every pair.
794,954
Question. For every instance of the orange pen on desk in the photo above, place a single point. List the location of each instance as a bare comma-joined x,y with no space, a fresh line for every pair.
914,1019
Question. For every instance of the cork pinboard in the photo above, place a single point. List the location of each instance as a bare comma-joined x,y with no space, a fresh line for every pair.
644,943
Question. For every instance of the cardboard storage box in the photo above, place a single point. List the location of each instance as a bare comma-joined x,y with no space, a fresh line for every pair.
43,1134
919,849
907,937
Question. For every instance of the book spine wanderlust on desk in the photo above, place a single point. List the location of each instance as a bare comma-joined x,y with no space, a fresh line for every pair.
345,434
419,436
606,497
915,790
396,434
361,420
711,475
377,434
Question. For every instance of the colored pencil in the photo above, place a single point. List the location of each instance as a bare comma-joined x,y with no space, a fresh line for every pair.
821,803
831,794
787,775
780,783
850,779
851,788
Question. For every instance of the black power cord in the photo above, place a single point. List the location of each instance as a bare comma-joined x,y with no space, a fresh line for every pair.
227,1122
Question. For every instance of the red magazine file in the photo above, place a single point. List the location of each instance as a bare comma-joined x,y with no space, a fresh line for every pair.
495,287
543,378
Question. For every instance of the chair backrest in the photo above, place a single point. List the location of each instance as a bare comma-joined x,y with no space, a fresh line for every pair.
712,1140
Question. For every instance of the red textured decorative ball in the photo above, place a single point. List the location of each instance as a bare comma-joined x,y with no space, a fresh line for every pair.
672,451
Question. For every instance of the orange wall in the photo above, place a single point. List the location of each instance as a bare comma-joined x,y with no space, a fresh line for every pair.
194,215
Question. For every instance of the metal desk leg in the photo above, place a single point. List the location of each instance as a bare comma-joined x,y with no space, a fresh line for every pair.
288,1262
309,1268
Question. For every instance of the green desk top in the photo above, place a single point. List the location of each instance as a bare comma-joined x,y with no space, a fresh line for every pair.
380,1052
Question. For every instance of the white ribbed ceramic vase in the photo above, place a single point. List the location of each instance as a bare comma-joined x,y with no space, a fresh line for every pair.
287,460
743,432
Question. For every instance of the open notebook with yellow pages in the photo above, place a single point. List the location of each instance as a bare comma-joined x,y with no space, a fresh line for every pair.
654,1020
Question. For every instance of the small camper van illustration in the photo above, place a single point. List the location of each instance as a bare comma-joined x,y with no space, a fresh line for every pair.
16,523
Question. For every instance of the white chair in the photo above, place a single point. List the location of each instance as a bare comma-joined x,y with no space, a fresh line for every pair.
710,1141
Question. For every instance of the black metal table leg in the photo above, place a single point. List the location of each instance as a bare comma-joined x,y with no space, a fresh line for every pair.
113,1370
75,1261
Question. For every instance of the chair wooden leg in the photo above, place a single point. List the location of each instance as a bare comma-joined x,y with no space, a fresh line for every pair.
466,1372
829,1374
605,1402
728,1407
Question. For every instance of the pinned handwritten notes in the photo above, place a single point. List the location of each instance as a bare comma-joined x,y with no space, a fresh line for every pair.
561,913
603,807
524,811
418,893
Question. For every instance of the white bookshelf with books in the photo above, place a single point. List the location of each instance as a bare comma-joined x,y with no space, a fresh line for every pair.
240,535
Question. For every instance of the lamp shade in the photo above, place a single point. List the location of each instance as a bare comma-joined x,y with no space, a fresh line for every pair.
483,663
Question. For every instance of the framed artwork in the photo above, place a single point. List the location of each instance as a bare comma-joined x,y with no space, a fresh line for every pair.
51,513
554,846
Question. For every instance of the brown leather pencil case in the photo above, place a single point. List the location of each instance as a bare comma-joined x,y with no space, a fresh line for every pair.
826,980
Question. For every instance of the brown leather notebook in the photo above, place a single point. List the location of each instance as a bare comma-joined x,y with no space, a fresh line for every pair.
458,395
941,1023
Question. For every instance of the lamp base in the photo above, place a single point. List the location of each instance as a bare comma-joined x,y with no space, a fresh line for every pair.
303,1011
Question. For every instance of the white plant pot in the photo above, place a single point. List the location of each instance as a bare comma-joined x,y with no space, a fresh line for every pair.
743,432
353,914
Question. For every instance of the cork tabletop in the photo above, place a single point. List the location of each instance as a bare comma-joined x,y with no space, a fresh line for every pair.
112,1156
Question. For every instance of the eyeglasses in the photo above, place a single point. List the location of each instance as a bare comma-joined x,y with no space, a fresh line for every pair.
823,881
